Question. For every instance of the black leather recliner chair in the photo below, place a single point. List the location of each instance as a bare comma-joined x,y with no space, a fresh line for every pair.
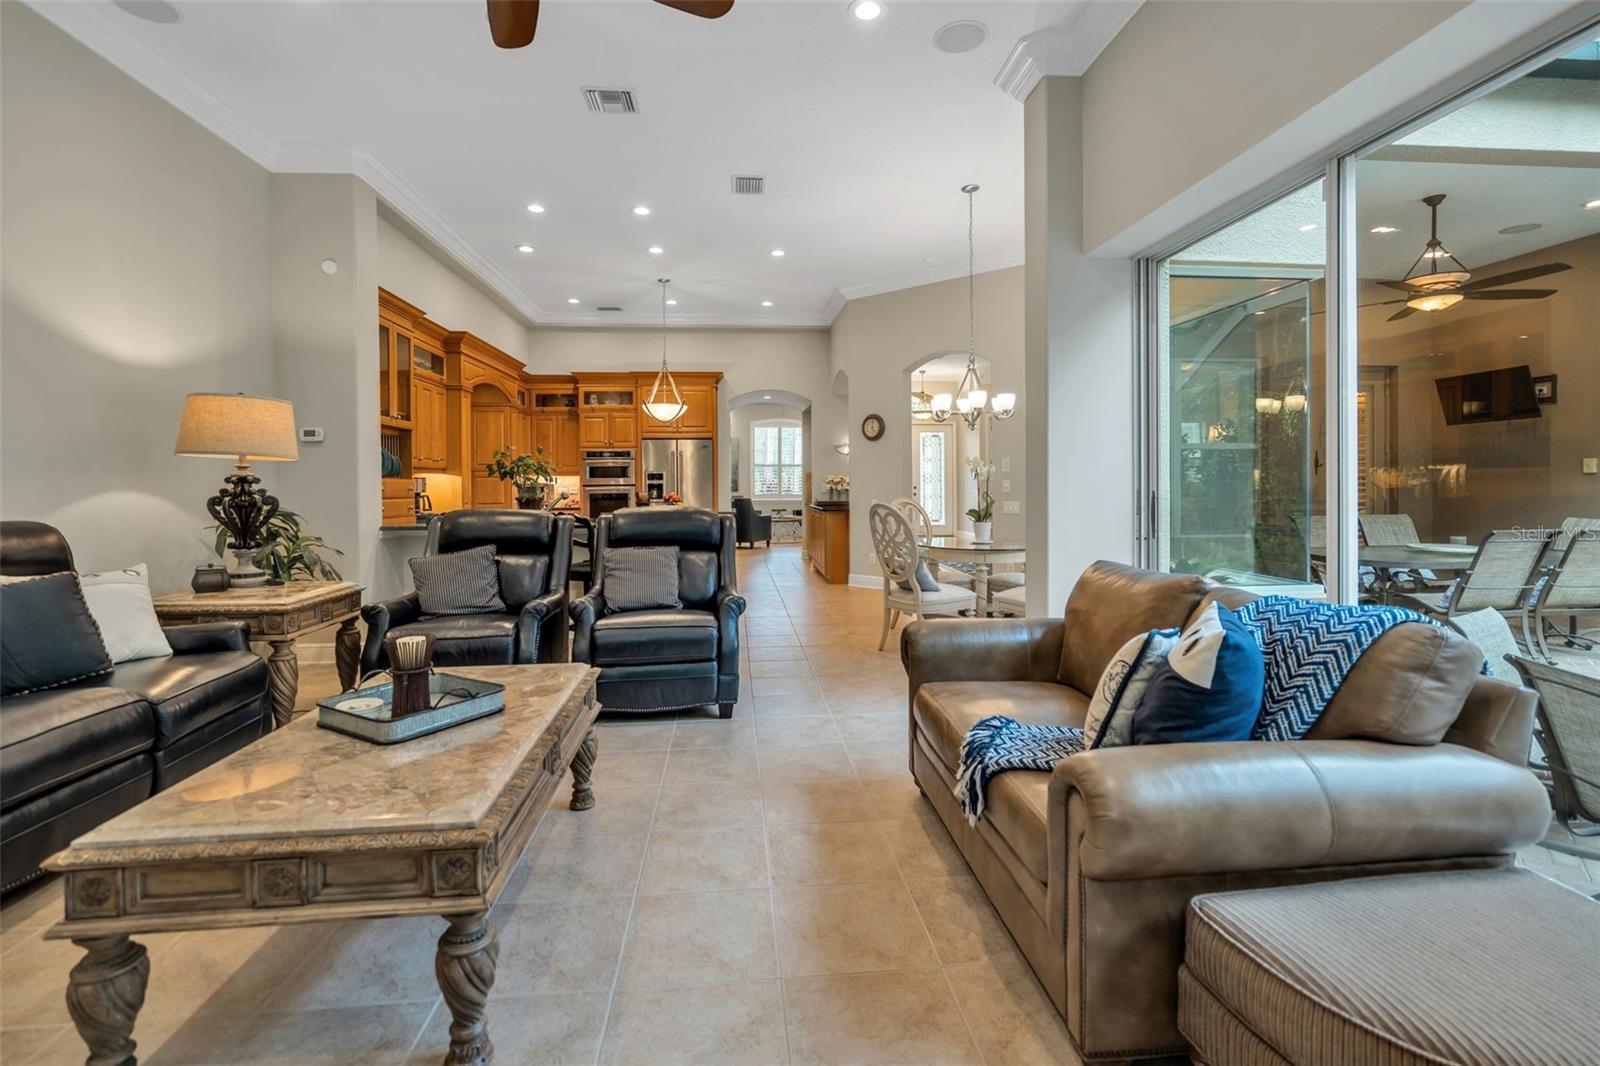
662,660
535,553
750,525
75,756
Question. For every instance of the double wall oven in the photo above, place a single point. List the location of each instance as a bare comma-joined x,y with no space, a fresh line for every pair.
608,479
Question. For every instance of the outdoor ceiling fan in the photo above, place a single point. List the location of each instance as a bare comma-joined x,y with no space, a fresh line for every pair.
1430,286
512,22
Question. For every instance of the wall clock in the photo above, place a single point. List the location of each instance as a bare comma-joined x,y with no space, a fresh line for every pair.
872,427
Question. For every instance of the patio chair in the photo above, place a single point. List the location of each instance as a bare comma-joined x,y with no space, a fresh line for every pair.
1571,588
1488,630
1389,530
896,548
1314,528
1502,576
1568,729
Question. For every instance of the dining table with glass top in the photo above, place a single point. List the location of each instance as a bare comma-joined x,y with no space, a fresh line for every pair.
983,555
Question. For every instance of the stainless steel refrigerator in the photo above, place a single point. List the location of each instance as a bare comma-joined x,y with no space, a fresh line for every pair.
681,466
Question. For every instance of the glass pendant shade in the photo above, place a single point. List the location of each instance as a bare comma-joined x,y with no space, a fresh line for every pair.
664,402
1004,404
942,404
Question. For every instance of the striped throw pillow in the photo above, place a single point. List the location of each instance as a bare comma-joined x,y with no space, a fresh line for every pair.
640,579
466,582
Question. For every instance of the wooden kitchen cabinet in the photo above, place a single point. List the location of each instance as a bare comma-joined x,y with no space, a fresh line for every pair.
430,425
557,434
699,419
608,428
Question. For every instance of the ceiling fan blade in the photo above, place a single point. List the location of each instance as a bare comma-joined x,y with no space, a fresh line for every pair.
1525,274
512,22
1510,294
706,9
1404,312
1402,286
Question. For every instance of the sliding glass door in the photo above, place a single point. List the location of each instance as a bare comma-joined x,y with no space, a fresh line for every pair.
1237,370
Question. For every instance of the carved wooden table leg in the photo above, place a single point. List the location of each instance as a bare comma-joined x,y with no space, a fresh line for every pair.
104,994
465,968
347,653
283,679
583,771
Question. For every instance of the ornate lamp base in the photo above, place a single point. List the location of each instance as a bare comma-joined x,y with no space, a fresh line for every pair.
246,574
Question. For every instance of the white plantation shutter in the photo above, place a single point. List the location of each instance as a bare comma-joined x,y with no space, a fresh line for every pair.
777,465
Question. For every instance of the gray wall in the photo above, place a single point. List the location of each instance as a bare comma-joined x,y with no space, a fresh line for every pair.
134,270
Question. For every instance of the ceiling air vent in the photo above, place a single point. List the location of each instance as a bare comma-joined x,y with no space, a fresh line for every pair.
610,101
608,308
748,185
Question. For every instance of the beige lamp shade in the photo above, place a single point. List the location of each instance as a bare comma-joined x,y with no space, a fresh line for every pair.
220,425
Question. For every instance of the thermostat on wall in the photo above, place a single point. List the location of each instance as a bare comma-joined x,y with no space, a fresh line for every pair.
311,434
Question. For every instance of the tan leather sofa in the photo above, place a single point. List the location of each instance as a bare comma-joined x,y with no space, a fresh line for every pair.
1418,763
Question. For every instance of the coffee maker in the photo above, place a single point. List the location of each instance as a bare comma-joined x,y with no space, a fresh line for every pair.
419,493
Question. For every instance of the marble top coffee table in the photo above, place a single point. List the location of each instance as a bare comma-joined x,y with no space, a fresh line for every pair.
309,825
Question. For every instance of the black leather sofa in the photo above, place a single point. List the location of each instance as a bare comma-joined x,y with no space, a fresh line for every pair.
73,757
749,524
661,660
534,549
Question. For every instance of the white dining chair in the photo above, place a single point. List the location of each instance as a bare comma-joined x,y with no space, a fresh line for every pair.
898,554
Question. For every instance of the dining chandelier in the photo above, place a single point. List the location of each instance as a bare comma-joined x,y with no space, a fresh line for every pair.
971,401
922,401
664,402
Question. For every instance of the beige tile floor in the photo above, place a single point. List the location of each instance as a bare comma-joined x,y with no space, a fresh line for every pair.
762,890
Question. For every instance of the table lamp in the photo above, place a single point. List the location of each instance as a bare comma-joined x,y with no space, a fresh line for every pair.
246,429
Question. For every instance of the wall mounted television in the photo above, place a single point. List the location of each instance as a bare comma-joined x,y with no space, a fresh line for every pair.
1488,396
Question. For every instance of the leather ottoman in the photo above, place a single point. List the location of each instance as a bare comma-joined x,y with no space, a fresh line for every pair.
1474,967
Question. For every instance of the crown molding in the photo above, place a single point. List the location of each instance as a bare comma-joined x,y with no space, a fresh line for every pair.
645,320
95,26
931,276
1065,49
834,305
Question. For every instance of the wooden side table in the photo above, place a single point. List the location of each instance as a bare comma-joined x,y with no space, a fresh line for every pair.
278,614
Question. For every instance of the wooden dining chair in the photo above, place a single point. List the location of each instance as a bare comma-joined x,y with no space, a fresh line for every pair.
896,547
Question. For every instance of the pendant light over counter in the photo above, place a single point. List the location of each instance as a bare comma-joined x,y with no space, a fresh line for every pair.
971,400
664,403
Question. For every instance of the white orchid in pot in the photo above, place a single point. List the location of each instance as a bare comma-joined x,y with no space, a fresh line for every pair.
982,515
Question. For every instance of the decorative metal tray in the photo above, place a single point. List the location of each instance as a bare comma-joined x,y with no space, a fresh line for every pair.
368,713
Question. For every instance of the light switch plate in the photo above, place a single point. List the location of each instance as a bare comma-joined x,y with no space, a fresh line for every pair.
1591,465
1005,485
1005,464
1011,507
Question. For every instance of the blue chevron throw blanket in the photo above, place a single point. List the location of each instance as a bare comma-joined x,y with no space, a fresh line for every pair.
1308,648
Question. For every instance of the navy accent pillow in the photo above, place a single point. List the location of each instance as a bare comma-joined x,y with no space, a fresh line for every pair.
1209,687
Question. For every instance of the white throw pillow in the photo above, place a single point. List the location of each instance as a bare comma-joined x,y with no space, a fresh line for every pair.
1109,722
122,607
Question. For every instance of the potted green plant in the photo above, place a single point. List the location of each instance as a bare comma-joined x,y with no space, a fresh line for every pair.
982,515
530,473
287,550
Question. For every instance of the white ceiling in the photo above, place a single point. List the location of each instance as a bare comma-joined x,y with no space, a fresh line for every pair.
864,132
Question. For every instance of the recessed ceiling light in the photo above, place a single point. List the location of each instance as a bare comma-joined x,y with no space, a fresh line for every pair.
768,397
536,209
766,303
572,300
777,253
525,249
866,10
1259,312
150,10
655,249
1522,336
1385,229
1591,205
1308,227
641,210
672,303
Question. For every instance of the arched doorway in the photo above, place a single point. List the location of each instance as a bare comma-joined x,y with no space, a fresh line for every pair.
936,475
770,456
